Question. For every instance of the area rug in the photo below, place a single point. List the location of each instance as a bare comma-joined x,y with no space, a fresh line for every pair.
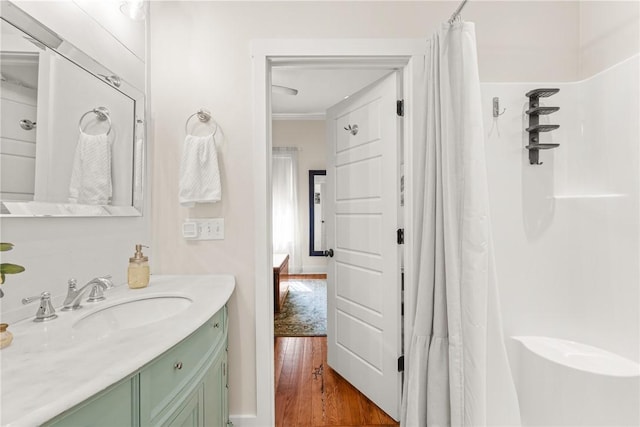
304,312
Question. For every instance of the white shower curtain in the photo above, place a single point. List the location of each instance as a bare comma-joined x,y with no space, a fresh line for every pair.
457,370
286,230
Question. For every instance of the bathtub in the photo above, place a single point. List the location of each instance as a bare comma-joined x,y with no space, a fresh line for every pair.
565,383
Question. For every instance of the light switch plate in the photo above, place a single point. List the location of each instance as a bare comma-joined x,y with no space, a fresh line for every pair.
190,230
203,229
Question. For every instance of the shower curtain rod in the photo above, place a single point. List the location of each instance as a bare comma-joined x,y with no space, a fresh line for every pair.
457,12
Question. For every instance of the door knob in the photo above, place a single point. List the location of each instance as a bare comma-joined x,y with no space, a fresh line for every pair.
329,253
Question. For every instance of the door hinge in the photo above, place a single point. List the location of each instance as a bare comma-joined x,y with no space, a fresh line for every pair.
401,363
400,236
400,107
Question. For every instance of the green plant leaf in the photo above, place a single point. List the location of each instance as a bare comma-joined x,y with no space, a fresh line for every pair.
6,268
6,247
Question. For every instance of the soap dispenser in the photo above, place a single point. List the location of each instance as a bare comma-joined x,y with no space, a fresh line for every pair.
138,275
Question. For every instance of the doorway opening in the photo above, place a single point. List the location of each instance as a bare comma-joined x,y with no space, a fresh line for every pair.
357,206
405,55
301,95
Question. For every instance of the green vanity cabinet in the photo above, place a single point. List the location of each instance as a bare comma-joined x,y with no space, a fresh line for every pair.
185,386
112,407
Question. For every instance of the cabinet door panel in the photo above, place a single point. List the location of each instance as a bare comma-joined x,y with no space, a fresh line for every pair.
190,413
215,391
110,408
163,381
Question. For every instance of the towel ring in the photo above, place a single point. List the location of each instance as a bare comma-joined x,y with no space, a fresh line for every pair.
101,112
204,116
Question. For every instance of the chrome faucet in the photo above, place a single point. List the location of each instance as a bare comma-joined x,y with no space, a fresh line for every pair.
74,295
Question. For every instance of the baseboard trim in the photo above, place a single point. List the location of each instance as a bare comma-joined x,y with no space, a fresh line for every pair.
314,269
244,420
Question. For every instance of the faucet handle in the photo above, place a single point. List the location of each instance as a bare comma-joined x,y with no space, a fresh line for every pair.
72,283
100,284
45,311
96,294
29,300
107,281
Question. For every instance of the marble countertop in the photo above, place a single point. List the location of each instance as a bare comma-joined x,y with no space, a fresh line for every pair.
52,366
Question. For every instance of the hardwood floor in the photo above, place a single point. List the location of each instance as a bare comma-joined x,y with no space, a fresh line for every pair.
310,393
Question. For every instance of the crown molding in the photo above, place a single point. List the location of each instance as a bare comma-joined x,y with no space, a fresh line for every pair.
298,116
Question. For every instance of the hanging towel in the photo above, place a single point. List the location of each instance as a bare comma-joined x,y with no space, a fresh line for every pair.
91,173
199,172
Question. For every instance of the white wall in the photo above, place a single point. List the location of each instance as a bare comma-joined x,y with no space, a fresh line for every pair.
309,137
609,33
604,231
55,249
200,56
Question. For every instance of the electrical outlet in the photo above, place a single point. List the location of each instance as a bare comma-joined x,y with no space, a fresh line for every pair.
203,229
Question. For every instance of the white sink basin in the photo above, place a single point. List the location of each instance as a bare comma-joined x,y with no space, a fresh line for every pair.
132,313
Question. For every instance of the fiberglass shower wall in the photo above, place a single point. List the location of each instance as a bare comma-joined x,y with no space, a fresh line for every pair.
567,231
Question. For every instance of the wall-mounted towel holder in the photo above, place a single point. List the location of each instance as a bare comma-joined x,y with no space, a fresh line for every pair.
102,113
27,124
496,107
534,129
352,129
205,117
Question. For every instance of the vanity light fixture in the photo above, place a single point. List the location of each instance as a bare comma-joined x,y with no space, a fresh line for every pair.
134,9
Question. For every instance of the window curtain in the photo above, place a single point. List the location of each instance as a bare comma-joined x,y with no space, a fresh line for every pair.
457,372
286,231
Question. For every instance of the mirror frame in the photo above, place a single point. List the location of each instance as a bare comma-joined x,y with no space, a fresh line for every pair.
312,174
27,24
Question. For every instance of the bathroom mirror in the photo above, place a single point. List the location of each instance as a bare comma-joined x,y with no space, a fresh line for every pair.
57,106
317,232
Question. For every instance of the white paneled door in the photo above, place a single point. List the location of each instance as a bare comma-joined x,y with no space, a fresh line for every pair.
363,280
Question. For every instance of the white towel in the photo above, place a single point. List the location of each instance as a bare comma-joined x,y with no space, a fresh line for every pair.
91,173
199,172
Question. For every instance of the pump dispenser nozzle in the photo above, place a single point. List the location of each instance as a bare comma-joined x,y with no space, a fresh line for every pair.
139,256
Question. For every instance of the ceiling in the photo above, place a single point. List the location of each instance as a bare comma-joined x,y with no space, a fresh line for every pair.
318,89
